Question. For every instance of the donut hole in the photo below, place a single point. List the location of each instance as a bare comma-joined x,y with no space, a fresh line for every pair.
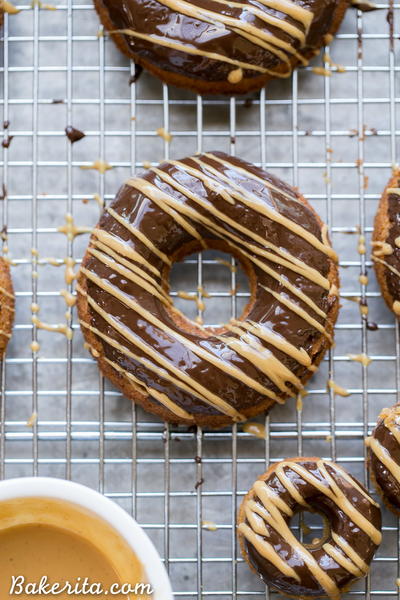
311,528
209,287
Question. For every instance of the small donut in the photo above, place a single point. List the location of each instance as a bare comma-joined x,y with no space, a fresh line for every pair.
221,46
384,456
386,244
328,566
7,300
175,368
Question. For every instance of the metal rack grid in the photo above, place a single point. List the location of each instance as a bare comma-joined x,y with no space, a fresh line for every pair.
325,134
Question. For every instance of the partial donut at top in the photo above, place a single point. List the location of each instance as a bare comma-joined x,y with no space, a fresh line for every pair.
386,244
221,46
184,372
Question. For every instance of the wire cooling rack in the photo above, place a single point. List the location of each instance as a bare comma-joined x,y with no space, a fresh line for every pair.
335,137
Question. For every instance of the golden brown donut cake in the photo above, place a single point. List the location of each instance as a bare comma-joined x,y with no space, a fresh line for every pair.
177,369
6,305
384,457
386,244
221,46
328,566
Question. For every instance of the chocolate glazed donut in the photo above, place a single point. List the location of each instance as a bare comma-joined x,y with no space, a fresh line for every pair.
175,368
221,46
328,566
384,456
7,302
386,244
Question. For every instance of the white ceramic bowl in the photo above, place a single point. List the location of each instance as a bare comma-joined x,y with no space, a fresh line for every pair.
114,515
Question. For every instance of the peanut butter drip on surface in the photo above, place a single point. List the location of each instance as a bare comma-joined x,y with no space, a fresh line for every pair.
266,513
361,358
128,253
70,229
337,389
98,165
243,27
8,7
256,429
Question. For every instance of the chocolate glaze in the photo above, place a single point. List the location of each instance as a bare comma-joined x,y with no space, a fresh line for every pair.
336,520
170,238
153,18
387,483
74,135
393,281
7,141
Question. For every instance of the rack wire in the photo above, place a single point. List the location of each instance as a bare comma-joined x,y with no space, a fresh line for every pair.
325,134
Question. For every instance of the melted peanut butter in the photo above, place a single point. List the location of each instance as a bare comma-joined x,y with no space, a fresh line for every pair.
45,537
256,429
99,165
337,389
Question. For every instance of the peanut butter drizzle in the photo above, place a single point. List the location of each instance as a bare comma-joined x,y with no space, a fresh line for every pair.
396,307
338,497
181,379
209,525
226,263
9,8
361,249
69,274
383,262
98,165
64,329
160,396
256,205
132,267
285,258
235,76
139,235
122,247
264,361
273,513
292,30
256,429
341,560
351,553
189,49
337,389
321,71
6,293
389,417
152,191
383,456
186,296
116,266
299,311
273,338
70,229
277,46
165,135
201,352
69,298
361,358
381,248
363,279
